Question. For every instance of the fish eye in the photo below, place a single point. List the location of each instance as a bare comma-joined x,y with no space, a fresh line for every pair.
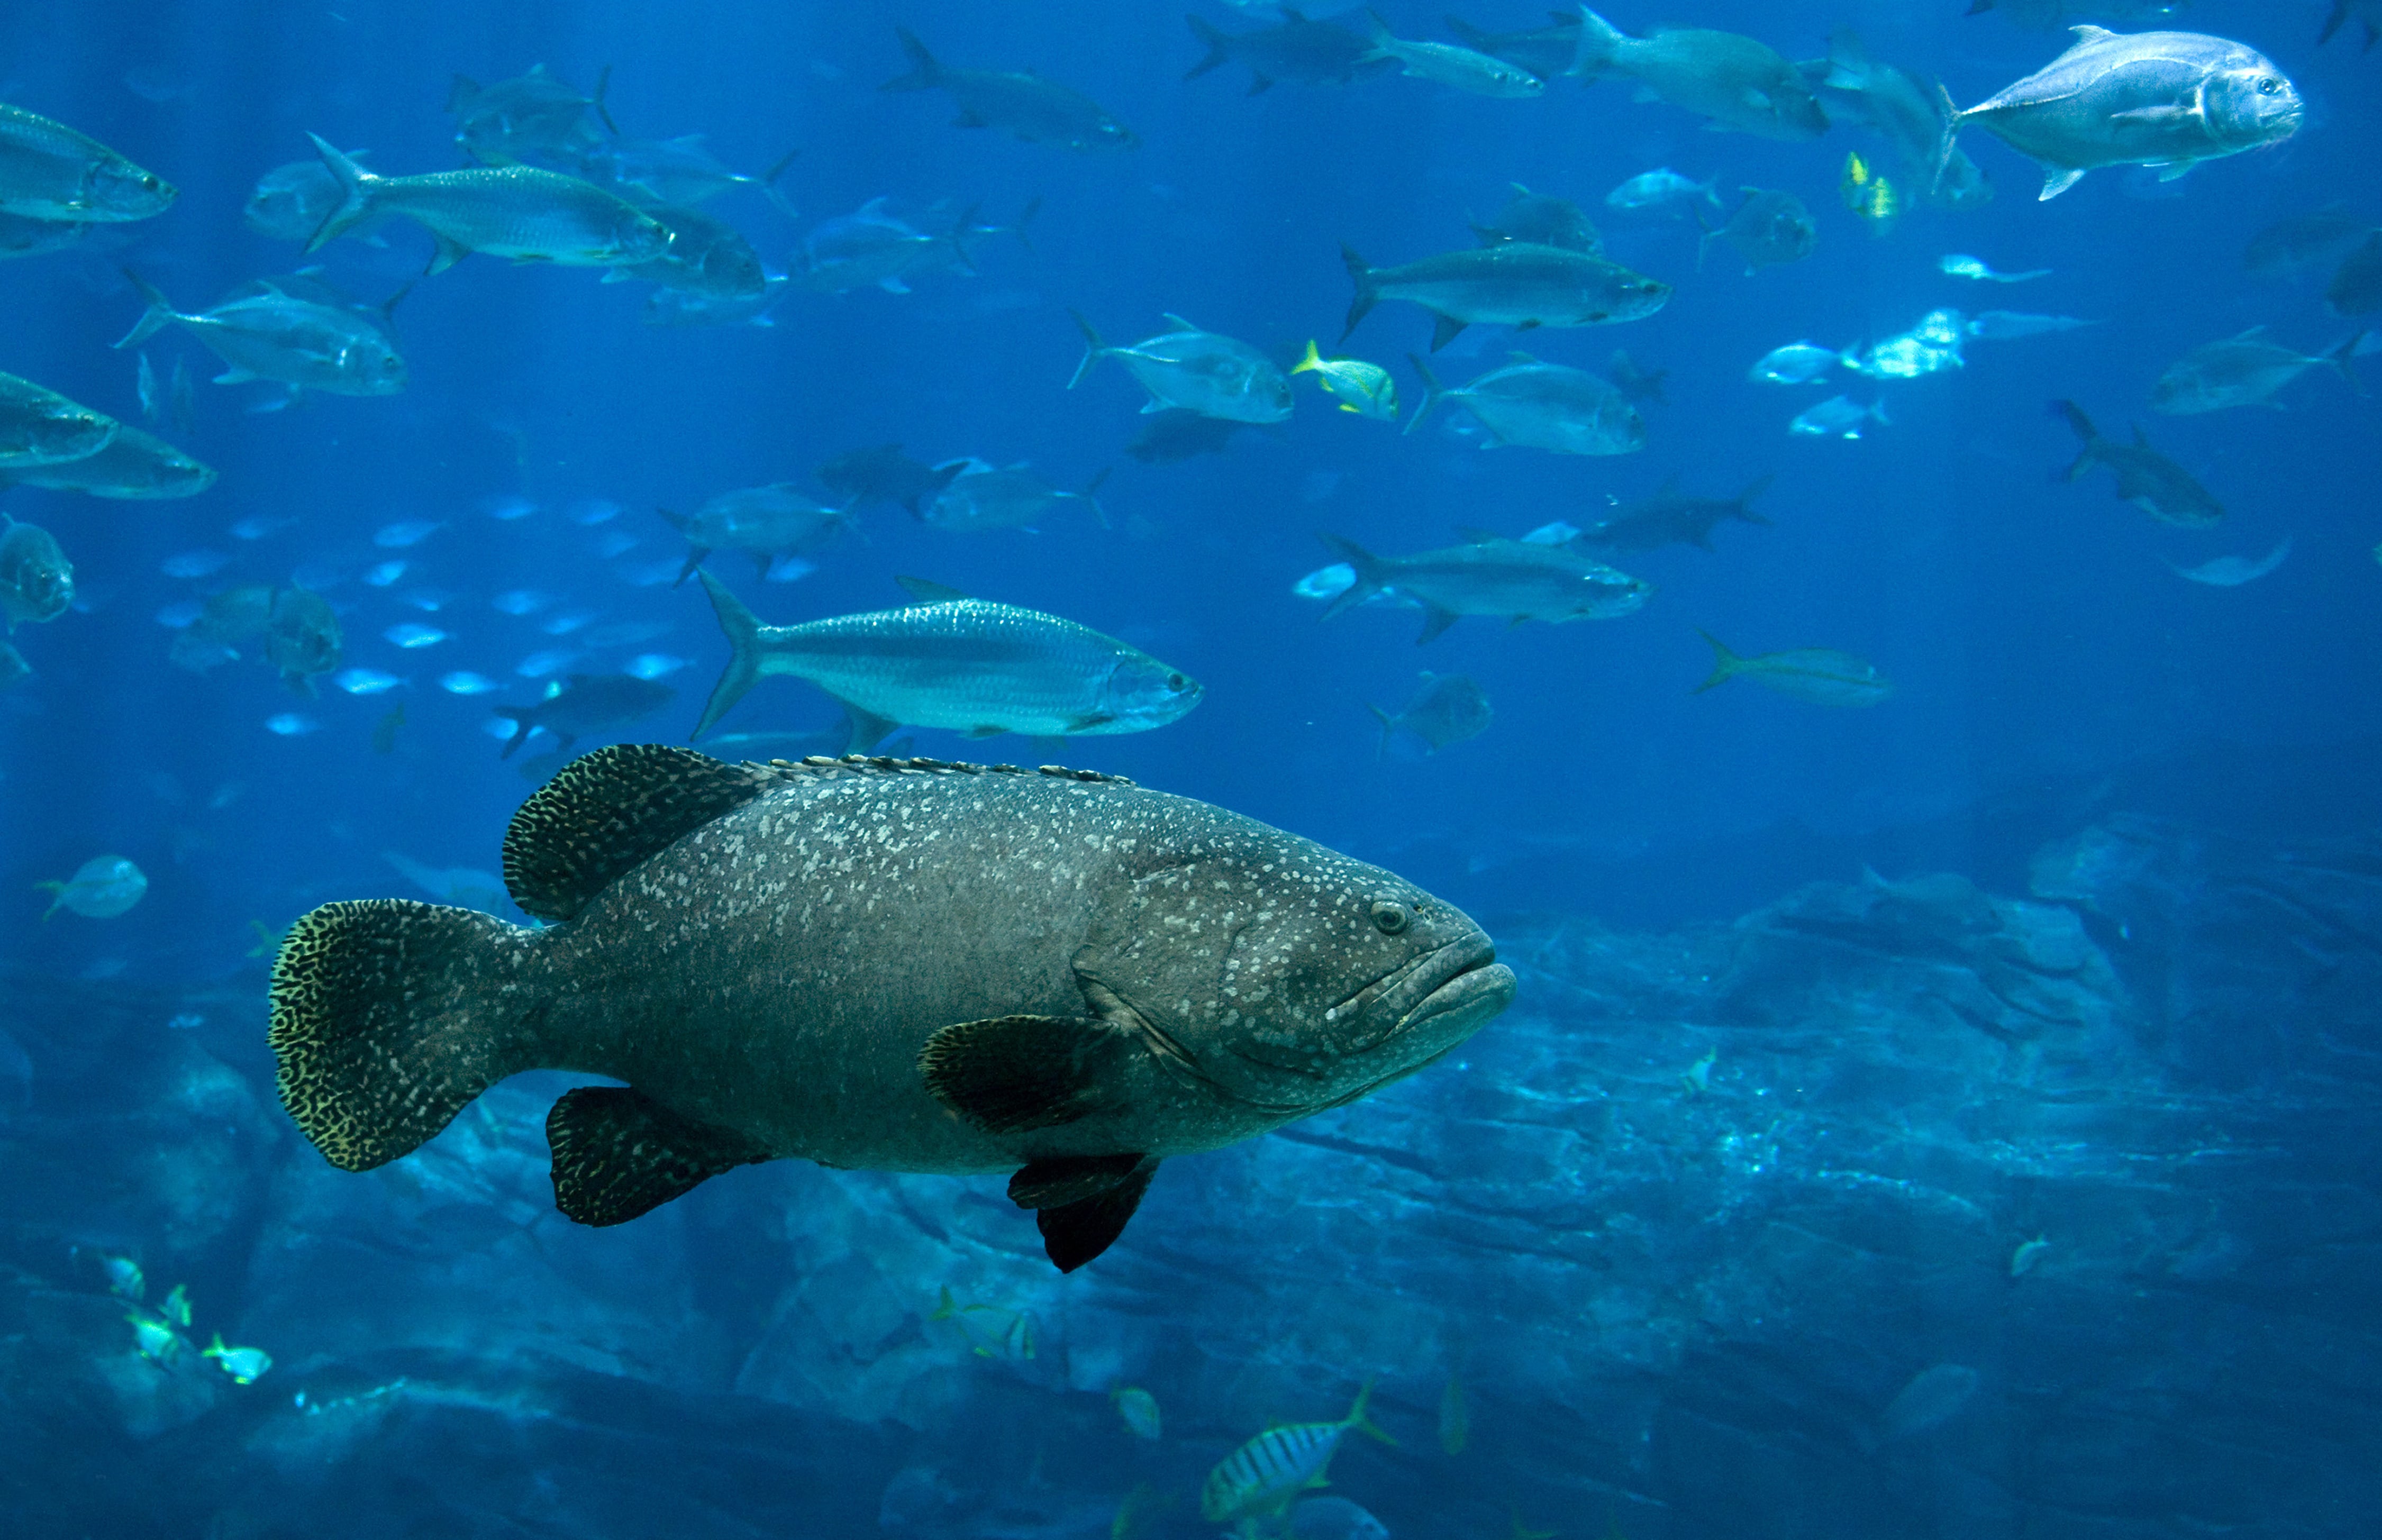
1390,917
1176,681
2268,85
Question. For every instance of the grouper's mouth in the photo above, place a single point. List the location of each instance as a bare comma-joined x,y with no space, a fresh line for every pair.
1461,977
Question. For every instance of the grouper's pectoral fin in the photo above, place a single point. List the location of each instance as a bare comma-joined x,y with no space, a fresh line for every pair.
617,1152
1082,1202
1012,1074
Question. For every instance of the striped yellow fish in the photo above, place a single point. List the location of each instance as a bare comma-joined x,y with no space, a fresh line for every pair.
1264,1475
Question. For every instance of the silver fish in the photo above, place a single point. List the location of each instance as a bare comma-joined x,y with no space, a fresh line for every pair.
1513,284
1541,405
1448,63
301,637
1906,113
20,237
1199,371
706,256
584,705
36,580
949,660
1797,363
1661,188
765,522
2009,325
49,171
2233,572
887,964
2147,479
1489,575
1542,219
532,118
1731,81
1670,517
1034,109
38,426
132,466
675,173
1299,49
2244,370
290,203
1839,417
299,332
979,496
515,211
1768,229
2169,99
1446,708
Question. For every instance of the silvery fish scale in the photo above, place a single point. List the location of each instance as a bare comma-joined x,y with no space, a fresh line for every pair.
2142,99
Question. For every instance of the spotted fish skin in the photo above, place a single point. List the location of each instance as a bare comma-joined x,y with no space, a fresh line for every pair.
880,965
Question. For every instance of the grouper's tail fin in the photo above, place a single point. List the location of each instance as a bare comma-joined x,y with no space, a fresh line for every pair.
388,1016
743,628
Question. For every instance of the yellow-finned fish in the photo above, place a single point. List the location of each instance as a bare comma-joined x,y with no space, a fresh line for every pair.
1868,194
1266,1474
1364,388
1139,1410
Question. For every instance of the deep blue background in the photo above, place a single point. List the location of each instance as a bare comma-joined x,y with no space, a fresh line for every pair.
2037,636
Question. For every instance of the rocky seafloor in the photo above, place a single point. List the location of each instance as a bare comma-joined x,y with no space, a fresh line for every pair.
1894,1209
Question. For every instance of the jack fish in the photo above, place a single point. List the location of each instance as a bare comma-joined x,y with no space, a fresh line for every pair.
951,661
1203,371
2165,99
131,466
1489,575
38,426
2146,478
880,965
1541,405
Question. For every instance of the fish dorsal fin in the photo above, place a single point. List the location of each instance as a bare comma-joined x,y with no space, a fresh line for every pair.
928,592
2089,33
606,813
1177,322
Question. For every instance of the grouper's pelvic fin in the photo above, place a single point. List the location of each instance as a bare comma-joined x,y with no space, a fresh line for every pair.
388,1016
618,1154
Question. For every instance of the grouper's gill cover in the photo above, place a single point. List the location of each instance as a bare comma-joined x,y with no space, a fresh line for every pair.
878,963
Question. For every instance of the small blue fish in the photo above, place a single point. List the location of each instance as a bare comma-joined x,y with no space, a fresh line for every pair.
411,634
366,681
463,681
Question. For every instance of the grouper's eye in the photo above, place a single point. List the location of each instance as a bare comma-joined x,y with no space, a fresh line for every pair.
1390,917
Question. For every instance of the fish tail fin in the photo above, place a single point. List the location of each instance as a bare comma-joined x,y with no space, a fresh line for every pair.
1710,231
746,648
1877,412
1367,290
1378,31
1367,566
1220,47
355,194
2339,358
1025,217
390,1015
1951,135
1388,728
957,239
2085,430
2333,23
1744,508
603,85
1362,1424
772,191
162,314
1431,391
1725,664
1092,496
1093,349
924,73
1315,359
1599,41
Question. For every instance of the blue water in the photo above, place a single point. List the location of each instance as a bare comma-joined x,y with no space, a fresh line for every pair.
2053,674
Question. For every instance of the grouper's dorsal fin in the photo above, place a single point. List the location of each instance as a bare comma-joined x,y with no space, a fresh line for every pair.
606,813
617,1154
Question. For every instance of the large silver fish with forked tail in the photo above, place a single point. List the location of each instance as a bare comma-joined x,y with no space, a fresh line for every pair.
2165,99
880,965
1514,283
513,211
951,661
